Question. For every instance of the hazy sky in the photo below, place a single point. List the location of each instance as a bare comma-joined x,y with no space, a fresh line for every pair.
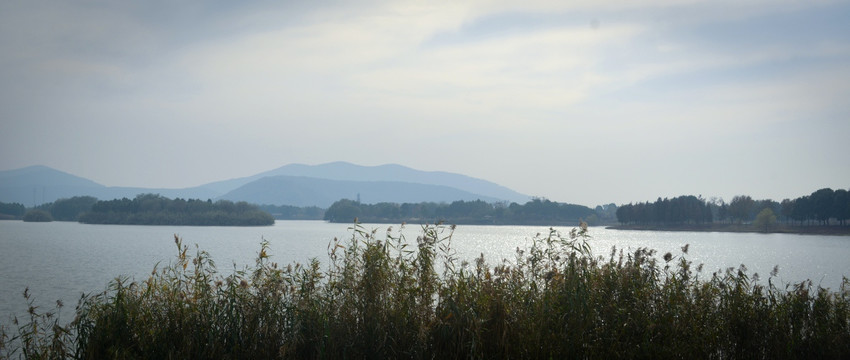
588,102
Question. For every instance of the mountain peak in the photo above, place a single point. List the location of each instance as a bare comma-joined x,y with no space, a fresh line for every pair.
38,182
341,170
40,175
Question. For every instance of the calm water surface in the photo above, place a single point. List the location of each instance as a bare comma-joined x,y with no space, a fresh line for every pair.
61,260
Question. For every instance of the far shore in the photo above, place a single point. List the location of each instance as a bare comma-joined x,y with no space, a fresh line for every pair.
742,228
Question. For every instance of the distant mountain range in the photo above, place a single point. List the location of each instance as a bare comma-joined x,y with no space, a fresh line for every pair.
295,184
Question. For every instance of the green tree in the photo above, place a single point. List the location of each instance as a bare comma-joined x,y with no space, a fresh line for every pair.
344,210
741,207
787,209
71,209
765,220
822,204
841,206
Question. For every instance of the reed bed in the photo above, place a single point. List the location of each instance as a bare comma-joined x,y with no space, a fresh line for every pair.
387,297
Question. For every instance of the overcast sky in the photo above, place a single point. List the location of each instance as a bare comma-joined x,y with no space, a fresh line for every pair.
587,102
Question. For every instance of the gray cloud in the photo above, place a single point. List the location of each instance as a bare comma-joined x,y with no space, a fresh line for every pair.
661,99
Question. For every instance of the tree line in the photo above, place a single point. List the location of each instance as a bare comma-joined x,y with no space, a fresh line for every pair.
61,210
68,209
10,211
822,207
289,212
535,212
678,210
154,209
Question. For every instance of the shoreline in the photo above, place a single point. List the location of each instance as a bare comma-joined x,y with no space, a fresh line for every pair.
739,228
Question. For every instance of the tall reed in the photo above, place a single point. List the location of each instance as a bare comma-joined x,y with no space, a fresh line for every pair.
383,296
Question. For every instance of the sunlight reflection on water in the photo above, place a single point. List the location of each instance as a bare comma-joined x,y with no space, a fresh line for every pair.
60,260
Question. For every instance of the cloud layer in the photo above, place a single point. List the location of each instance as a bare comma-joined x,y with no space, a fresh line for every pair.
590,102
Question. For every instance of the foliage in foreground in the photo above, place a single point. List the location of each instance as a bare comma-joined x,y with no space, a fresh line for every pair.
390,298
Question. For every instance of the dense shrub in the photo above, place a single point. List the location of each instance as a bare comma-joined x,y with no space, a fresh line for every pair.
37,216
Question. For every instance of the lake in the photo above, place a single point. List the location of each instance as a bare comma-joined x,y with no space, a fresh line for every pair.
60,260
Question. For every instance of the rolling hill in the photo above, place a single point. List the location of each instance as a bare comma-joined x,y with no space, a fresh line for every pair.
390,172
308,191
36,185
295,184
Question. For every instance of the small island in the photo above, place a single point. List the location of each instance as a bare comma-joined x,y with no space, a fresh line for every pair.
152,209
538,211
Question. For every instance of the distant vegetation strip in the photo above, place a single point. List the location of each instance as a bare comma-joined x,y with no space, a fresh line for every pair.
155,209
822,208
151,209
387,297
535,212
11,211
824,211
286,212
